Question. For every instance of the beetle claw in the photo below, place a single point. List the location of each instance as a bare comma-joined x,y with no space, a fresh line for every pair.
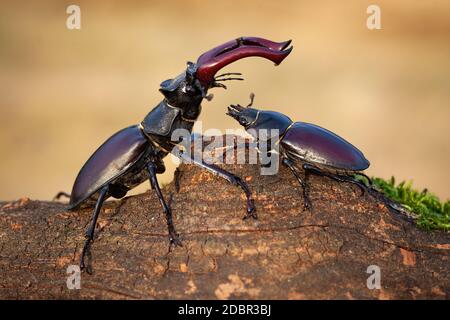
250,215
174,240
86,247
307,205
251,212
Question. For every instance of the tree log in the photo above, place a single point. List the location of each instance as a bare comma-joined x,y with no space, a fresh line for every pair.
287,253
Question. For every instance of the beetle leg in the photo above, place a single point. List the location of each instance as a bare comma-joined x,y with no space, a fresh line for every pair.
173,236
251,210
91,229
61,194
303,182
369,181
336,177
361,185
176,179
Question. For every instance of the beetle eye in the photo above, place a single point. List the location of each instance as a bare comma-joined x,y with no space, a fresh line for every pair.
190,89
243,121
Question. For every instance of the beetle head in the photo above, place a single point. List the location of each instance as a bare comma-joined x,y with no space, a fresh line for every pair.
254,120
247,117
199,77
183,89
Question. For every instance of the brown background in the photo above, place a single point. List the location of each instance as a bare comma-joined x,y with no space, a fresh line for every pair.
64,92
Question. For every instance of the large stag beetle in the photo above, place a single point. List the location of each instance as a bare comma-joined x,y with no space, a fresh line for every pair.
136,153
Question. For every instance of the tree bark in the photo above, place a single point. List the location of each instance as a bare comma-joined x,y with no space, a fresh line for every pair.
287,253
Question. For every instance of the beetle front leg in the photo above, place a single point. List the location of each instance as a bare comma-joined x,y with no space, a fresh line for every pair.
251,210
303,182
173,236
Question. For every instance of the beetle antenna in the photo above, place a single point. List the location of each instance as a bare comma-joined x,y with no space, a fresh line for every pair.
229,74
227,79
218,85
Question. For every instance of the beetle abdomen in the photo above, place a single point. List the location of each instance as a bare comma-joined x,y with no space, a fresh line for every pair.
112,159
315,144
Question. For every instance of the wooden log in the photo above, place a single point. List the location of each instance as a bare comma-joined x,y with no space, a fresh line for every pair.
287,253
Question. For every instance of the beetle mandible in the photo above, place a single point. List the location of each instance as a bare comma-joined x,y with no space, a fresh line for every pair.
135,154
313,148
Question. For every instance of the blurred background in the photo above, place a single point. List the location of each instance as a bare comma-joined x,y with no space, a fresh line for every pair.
63,92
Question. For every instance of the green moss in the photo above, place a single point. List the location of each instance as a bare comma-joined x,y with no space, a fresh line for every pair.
432,213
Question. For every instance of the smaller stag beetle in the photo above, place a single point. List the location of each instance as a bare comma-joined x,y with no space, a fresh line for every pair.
315,149
135,154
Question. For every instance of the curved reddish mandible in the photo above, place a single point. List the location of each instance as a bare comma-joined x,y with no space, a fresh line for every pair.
215,59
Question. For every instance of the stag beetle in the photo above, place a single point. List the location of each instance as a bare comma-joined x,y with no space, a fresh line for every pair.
315,149
136,153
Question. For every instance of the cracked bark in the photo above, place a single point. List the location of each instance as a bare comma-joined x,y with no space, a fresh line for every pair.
286,254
